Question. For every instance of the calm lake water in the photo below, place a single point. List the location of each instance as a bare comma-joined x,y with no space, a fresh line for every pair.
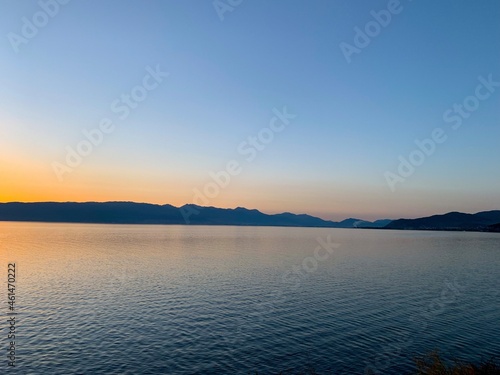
132,299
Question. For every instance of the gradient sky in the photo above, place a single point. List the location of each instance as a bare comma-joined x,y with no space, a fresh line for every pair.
353,119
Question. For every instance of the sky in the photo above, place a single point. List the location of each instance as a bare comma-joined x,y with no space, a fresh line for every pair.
314,107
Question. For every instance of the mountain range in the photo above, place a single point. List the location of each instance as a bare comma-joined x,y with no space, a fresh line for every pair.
145,213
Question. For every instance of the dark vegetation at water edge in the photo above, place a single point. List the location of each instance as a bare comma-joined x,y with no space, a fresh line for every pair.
433,364
430,364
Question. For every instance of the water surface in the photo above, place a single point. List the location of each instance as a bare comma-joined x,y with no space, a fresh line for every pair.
135,299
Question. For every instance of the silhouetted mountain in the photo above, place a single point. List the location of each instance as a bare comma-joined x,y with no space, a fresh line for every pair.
143,213
91,212
377,223
494,228
450,221
243,216
350,223
366,224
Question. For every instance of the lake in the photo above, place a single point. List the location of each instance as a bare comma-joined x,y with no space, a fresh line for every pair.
137,299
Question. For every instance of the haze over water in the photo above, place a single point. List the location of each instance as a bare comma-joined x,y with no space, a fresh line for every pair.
125,299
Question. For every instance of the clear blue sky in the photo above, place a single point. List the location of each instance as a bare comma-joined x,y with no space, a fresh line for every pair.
353,119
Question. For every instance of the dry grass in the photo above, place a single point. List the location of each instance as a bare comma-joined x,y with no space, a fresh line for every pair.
433,364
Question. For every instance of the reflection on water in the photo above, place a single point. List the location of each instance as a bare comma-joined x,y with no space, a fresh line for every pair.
119,299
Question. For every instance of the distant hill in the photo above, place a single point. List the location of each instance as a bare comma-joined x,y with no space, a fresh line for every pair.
482,221
367,224
91,212
494,228
143,213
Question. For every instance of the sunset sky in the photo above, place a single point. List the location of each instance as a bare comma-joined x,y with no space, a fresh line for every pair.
230,69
